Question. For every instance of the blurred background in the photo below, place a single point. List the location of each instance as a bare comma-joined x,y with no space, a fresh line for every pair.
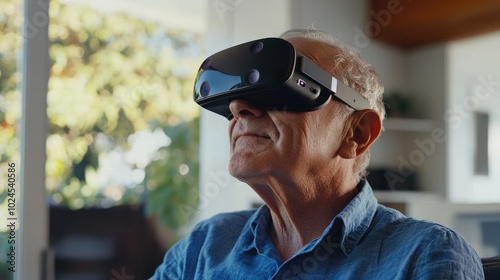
114,162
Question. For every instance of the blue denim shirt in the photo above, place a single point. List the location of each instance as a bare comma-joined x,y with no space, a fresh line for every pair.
364,241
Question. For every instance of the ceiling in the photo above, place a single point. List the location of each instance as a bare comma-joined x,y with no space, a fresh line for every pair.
413,23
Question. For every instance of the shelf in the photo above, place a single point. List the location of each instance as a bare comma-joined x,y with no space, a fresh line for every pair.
406,124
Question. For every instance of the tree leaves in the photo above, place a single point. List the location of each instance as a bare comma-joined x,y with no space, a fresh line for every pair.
173,192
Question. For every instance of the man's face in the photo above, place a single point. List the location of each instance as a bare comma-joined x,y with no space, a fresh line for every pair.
274,144
278,144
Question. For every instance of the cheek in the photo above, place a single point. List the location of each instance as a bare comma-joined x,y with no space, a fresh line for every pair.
321,142
321,148
294,148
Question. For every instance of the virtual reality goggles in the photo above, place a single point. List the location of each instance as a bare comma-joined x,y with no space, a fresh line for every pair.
271,74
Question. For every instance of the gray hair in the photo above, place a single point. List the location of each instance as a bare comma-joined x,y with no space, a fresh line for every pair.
353,71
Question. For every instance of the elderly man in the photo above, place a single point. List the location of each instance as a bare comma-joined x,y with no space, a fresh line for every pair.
320,219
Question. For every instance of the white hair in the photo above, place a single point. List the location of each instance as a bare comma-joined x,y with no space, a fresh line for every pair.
353,71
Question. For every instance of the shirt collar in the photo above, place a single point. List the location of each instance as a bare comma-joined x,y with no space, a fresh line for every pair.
357,217
351,224
254,236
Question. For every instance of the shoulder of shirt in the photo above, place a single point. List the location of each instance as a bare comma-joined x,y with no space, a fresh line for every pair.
396,222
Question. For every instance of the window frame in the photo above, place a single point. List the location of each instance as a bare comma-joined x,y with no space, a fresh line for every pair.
33,233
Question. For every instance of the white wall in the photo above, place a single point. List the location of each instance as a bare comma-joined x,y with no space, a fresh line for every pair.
427,68
474,85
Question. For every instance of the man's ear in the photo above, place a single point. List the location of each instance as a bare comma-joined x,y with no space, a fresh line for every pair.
365,127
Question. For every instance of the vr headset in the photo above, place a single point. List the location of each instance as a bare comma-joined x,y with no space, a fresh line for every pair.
270,74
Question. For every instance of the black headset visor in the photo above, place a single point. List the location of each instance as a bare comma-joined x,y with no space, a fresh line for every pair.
271,74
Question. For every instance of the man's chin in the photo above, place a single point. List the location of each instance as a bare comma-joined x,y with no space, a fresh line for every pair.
245,172
239,172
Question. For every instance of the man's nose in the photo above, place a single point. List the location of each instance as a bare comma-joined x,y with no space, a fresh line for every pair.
241,109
